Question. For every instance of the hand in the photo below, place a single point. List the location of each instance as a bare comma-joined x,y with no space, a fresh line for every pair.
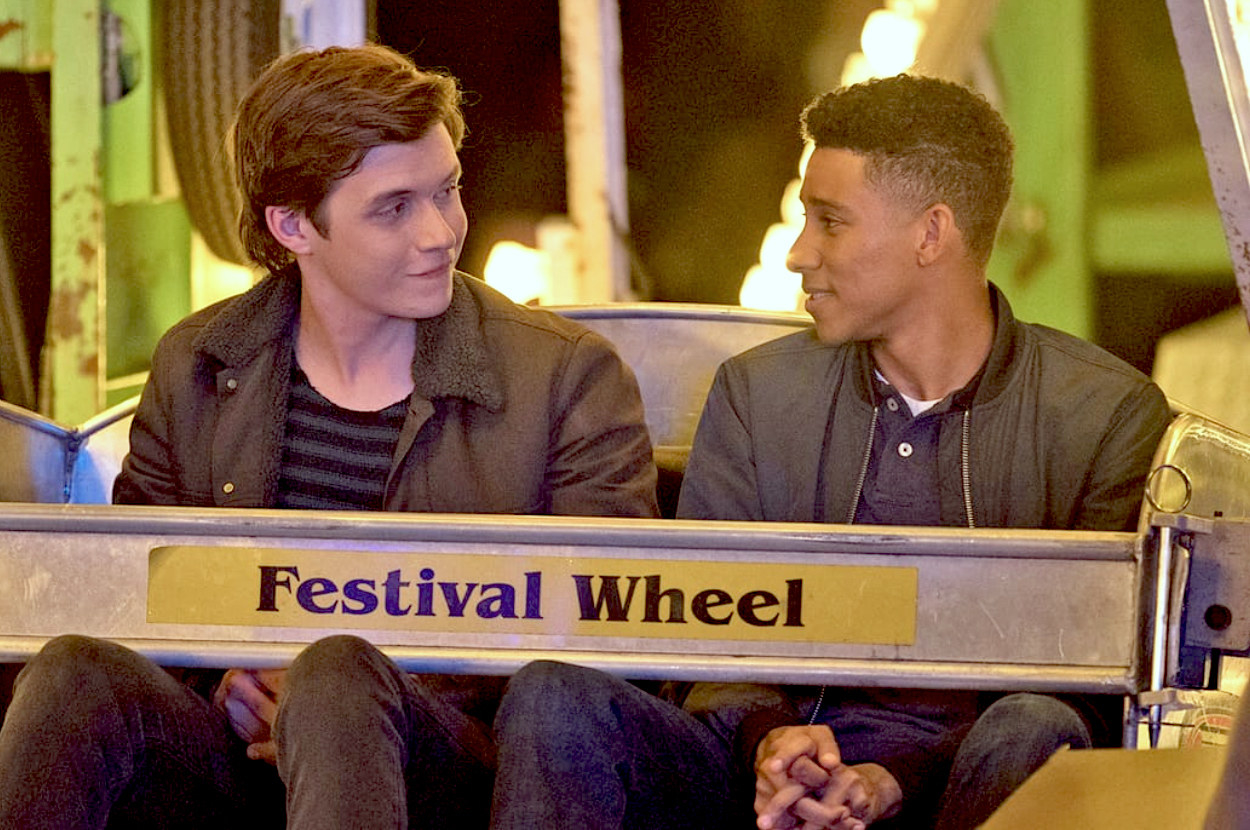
791,763
250,700
855,797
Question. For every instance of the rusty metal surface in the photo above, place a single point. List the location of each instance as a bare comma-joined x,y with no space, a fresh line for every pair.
1212,53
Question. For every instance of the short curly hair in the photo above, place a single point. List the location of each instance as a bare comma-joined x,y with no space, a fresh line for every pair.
311,117
925,141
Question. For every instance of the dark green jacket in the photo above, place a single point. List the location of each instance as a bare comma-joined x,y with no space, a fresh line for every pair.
515,410
1054,434
1060,434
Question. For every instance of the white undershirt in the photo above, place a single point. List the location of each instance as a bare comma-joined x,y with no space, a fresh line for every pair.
914,404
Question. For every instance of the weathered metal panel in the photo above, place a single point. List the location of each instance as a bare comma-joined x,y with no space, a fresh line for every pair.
995,609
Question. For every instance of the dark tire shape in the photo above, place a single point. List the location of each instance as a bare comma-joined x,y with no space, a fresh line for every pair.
214,49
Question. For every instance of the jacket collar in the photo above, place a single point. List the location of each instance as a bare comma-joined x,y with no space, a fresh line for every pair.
452,357
993,376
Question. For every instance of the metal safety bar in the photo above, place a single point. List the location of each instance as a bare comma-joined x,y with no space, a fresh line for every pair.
989,609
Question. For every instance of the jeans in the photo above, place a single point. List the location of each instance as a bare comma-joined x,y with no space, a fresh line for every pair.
582,749
361,744
1008,742
98,736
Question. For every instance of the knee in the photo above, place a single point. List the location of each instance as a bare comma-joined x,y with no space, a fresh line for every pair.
73,655
341,653
1036,719
553,682
545,693
341,671
80,674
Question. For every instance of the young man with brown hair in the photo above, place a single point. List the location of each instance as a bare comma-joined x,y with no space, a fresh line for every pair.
364,372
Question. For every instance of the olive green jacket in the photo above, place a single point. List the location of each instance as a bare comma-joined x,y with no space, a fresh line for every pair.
1054,433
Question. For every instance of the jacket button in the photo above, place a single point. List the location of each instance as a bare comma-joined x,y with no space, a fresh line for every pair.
904,449
232,384
891,404
228,487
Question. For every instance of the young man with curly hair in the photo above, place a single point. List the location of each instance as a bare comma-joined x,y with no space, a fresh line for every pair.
916,399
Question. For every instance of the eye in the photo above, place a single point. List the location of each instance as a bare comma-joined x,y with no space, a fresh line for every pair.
394,210
450,189
828,223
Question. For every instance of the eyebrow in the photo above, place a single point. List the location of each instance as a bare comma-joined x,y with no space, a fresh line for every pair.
815,203
823,204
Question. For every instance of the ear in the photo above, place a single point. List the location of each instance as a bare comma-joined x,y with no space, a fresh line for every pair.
290,227
939,234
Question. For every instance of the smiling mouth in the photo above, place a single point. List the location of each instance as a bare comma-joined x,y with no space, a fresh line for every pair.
430,273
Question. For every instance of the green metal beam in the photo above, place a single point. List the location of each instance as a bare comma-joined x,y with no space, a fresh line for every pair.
1177,240
25,35
1042,53
74,352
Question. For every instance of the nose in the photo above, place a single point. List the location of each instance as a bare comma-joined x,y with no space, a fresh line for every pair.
802,257
433,229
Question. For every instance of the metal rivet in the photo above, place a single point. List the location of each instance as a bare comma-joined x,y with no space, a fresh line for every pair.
228,487
904,449
232,383
891,404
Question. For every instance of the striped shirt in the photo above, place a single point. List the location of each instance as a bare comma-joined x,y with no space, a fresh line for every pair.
335,458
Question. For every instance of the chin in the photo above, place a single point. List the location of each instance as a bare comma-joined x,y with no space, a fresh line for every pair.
430,303
427,310
831,333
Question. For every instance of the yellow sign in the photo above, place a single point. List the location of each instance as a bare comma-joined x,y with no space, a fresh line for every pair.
476,593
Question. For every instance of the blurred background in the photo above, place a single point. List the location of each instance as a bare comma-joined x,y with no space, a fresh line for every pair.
112,191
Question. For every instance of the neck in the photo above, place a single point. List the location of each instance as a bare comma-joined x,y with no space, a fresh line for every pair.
356,366
944,351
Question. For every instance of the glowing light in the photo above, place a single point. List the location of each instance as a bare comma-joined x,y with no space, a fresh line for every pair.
771,290
521,273
890,41
808,148
769,285
777,243
856,69
791,207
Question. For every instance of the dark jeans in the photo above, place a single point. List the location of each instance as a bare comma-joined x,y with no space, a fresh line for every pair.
361,744
98,736
582,749
1008,742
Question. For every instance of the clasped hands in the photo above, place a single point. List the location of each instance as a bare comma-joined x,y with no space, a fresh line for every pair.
249,697
801,782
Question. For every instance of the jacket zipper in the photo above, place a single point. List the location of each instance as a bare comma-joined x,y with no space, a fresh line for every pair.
850,520
965,476
863,467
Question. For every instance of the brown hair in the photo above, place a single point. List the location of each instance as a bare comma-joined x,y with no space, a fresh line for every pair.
924,141
311,117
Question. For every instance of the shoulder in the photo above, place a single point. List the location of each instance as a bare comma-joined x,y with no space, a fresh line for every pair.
510,326
1076,382
788,359
1078,362
504,316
